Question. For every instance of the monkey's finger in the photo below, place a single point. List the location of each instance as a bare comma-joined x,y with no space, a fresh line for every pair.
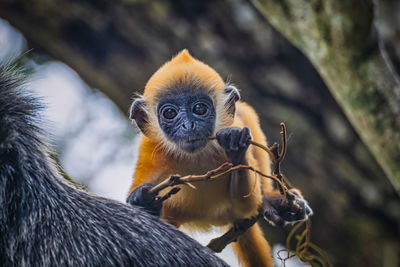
160,199
292,217
273,218
305,208
295,192
302,214
270,213
244,138
234,139
228,138
222,138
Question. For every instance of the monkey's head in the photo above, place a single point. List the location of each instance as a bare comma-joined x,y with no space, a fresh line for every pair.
184,102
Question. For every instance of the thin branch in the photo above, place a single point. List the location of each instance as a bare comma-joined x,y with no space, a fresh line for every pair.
266,149
284,142
177,180
239,227
173,191
273,152
225,168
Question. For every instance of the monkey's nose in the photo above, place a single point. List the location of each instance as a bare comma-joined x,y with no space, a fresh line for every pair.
188,125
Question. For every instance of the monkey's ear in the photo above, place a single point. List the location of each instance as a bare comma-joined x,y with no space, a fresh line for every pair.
139,114
232,96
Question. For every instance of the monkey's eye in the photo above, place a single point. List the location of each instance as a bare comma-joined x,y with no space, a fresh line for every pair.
200,109
169,113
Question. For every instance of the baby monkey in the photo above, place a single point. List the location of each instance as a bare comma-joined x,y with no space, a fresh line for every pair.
185,102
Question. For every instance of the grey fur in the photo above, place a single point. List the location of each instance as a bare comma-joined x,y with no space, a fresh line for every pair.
46,222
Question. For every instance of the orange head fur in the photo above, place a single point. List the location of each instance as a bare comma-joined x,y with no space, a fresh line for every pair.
182,72
182,69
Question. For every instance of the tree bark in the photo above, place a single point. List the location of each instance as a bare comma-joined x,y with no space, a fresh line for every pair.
339,38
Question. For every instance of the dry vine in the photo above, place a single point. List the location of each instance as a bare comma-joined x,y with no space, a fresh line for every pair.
305,250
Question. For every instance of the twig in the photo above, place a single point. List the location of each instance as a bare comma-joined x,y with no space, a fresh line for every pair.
284,142
239,227
273,152
276,158
173,191
177,180
225,168
279,156
266,149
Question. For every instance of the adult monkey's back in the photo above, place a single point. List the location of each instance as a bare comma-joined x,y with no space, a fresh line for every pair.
46,222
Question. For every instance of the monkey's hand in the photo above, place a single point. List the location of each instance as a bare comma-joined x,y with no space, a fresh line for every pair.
292,210
141,197
235,142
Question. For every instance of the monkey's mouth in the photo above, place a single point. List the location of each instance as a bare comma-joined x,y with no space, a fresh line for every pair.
193,145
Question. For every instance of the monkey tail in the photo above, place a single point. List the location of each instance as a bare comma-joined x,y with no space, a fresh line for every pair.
252,249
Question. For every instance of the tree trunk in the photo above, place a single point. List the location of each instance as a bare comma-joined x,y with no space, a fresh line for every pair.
339,38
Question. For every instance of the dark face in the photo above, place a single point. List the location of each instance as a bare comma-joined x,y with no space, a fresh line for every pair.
187,119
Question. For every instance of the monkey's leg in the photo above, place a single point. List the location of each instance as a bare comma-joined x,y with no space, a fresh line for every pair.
252,249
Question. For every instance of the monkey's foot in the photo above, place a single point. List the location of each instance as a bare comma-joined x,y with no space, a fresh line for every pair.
292,210
140,196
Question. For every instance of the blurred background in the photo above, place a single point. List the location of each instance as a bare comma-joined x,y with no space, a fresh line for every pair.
92,56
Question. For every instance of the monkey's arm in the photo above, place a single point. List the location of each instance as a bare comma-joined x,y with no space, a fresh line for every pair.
149,170
235,143
245,189
151,167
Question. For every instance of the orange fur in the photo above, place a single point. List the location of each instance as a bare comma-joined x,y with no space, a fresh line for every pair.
252,249
211,202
